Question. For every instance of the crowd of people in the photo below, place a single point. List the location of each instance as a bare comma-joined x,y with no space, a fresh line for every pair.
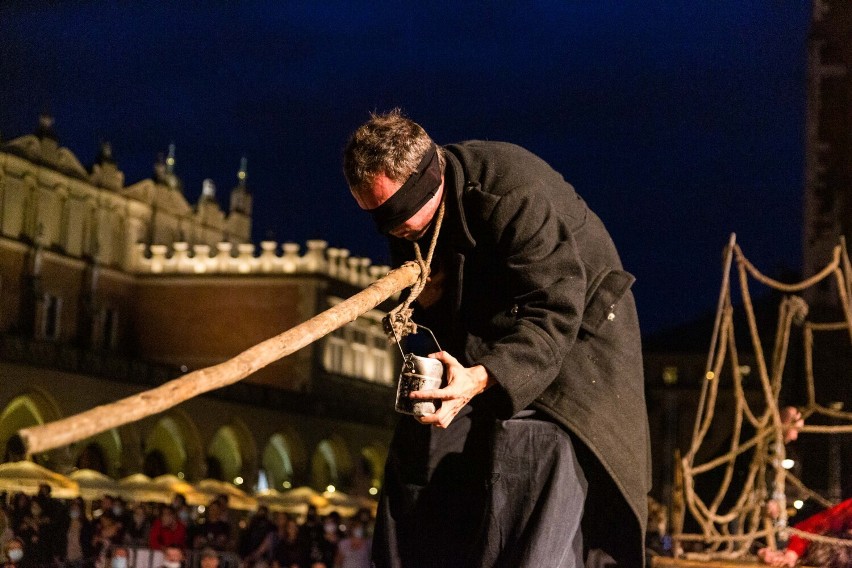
41,532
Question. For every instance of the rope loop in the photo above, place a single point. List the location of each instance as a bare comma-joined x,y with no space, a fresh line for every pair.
398,323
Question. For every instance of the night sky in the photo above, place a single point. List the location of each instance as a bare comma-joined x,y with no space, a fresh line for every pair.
679,122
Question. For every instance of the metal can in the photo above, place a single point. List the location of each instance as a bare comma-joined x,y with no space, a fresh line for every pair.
418,373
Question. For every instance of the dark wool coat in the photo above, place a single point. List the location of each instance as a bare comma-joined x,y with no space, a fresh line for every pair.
533,289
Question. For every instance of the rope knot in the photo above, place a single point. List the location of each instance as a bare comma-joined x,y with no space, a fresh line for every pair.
799,308
397,324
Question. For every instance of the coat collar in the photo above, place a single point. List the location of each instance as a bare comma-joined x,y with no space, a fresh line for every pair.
455,186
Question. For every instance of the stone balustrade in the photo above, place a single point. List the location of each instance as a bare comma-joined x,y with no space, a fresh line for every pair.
319,258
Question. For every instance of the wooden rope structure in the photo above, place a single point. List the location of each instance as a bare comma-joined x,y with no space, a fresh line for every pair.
99,419
731,533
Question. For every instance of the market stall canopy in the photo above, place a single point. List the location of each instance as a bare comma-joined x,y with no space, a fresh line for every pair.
142,489
208,489
345,504
26,476
174,483
178,485
94,484
292,501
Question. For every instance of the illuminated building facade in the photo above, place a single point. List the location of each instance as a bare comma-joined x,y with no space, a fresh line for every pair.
108,289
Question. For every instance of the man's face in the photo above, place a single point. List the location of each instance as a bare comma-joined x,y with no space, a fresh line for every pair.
209,562
382,189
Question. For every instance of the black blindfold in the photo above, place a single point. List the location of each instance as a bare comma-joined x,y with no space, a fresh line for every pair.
418,189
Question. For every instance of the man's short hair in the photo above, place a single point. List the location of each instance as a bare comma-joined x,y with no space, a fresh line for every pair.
389,144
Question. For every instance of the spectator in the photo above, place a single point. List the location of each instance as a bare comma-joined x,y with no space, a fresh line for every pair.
6,533
121,514
13,550
311,529
173,557
354,551
78,534
138,527
289,551
118,557
183,512
105,505
366,519
44,498
167,530
259,527
324,549
216,531
34,532
263,553
657,541
209,558
107,533
20,509
791,424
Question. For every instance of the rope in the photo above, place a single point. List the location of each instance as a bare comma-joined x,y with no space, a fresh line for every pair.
398,322
820,538
767,443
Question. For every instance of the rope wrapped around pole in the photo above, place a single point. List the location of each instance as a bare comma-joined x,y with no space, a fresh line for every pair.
101,418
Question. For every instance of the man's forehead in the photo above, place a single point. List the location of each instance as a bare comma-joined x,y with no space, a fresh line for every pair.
378,191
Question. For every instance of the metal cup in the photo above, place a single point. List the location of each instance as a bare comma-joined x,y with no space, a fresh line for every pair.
418,373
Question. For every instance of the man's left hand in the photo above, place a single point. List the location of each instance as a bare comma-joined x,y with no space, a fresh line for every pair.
463,383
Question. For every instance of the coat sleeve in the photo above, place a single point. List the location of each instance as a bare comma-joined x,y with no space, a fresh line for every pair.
546,279
835,520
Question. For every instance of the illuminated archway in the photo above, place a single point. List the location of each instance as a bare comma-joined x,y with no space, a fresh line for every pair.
370,470
284,461
233,452
174,445
331,464
29,409
101,453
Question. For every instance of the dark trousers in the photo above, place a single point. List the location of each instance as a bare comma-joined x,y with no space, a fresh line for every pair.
481,493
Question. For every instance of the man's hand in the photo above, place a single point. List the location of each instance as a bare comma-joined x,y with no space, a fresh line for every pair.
463,383
773,509
782,558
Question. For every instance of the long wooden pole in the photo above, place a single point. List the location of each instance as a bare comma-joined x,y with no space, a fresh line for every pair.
101,418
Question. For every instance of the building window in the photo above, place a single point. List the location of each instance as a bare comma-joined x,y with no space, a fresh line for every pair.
51,311
105,332
670,375
360,349
334,354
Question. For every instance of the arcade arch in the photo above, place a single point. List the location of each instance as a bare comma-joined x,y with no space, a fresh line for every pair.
371,466
232,454
173,446
284,460
101,453
31,408
331,464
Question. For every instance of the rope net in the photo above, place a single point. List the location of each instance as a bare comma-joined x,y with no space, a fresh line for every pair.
730,522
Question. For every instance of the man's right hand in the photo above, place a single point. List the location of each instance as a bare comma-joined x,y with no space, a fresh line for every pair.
463,383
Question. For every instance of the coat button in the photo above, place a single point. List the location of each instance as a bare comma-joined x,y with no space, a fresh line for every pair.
611,316
514,310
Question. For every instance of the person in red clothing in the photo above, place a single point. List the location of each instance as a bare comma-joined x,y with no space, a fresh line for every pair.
834,521
167,530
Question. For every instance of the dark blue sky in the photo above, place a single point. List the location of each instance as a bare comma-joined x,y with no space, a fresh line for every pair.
679,122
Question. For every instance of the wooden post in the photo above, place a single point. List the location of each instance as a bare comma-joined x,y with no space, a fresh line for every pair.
101,418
